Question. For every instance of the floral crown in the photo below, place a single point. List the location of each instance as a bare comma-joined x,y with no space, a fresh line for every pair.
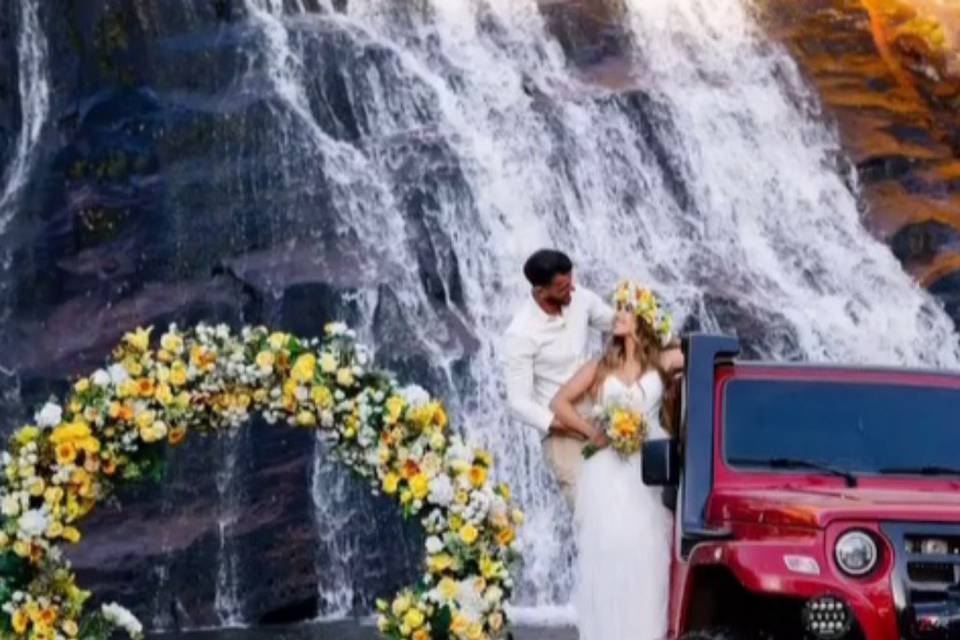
646,307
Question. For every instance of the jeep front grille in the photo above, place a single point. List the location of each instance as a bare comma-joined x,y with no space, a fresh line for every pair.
926,577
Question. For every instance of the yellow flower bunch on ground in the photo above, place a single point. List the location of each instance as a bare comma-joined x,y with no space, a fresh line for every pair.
117,424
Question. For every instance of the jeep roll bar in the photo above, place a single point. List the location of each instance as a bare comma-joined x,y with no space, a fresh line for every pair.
702,354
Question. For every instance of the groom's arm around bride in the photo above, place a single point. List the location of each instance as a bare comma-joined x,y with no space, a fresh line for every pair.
545,344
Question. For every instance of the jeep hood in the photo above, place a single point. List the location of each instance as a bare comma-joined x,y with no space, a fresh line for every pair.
818,507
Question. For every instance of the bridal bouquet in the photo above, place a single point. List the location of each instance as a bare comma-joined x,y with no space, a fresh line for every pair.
625,427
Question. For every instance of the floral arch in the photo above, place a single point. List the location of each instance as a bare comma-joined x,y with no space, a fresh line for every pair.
116,423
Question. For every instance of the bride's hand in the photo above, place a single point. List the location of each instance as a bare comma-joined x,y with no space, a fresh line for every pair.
599,439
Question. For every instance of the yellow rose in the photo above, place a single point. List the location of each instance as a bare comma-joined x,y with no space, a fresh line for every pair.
277,340
178,375
478,475
431,464
475,631
139,339
171,342
420,486
345,377
70,628
164,394
37,487
469,533
459,624
401,604
394,406
54,531
20,620
328,363
70,432
439,563
21,548
447,588
304,368
66,453
145,419
81,385
127,388
390,483
306,419
489,568
90,444
26,435
413,618
321,396
266,360
53,495
71,534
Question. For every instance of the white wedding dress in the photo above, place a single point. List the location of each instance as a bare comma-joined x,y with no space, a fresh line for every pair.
623,533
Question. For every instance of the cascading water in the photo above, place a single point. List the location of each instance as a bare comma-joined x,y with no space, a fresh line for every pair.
226,602
709,176
34,92
412,154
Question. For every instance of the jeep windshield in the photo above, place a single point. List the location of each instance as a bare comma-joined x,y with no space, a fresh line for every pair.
836,427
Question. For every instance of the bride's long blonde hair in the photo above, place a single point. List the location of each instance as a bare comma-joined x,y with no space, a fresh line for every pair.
647,355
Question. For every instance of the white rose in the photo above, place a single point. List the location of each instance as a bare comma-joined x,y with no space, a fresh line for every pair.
118,374
441,491
493,595
100,378
33,523
122,618
11,506
434,545
50,415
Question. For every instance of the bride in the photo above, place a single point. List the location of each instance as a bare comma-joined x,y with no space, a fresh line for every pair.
623,530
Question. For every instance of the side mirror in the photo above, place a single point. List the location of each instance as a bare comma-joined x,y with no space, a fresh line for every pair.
661,463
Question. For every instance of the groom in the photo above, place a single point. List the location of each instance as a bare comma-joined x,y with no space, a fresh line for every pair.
544,346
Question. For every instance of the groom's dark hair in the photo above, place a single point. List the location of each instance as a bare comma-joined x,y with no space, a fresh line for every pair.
543,265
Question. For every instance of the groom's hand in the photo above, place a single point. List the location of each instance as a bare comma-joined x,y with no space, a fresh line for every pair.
557,429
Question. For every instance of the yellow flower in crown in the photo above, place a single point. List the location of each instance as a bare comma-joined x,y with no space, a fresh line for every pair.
646,307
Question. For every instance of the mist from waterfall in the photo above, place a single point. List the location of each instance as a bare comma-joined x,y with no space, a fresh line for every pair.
463,139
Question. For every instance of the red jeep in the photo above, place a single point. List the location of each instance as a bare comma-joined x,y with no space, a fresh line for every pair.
812,501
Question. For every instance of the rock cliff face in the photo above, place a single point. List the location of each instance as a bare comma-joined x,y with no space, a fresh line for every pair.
889,72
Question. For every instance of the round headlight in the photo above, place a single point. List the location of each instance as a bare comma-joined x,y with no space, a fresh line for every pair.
856,553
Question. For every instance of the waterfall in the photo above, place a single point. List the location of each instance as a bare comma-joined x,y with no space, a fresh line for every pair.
227,602
708,174
34,104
